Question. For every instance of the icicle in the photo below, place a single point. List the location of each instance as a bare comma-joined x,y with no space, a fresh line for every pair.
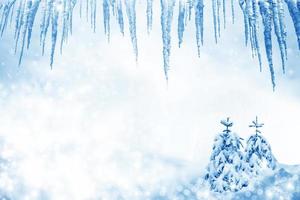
93,5
65,25
282,25
218,18
18,17
130,9
167,7
232,11
243,6
54,19
46,23
80,8
19,22
43,21
72,5
149,15
190,4
294,9
254,29
266,13
31,17
181,22
224,12
120,16
106,17
215,18
87,10
199,23
113,5
12,13
279,29
24,25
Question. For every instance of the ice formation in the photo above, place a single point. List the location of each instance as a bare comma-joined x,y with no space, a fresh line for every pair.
57,16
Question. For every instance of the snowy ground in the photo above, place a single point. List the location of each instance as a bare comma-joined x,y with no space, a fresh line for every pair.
100,126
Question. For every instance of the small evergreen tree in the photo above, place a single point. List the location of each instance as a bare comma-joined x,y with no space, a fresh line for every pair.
258,154
225,170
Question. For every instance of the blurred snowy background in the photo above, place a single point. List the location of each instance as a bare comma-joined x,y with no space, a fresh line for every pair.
101,126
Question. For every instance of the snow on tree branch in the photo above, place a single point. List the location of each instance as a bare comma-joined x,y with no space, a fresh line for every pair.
57,16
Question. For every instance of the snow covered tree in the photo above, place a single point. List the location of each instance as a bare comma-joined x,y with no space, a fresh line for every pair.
225,170
258,154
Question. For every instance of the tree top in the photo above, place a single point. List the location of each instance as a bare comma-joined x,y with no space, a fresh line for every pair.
227,123
255,124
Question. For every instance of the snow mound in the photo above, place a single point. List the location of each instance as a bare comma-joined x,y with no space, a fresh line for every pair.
282,183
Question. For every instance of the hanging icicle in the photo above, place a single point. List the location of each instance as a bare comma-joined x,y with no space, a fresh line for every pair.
294,9
167,7
106,17
199,23
130,9
54,19
280,32
181,21
266,13
120,16
232,11
149,13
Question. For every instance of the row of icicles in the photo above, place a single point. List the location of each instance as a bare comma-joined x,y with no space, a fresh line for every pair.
57,16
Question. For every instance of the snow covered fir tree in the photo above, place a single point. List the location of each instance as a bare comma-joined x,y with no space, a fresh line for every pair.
225,170
258,155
